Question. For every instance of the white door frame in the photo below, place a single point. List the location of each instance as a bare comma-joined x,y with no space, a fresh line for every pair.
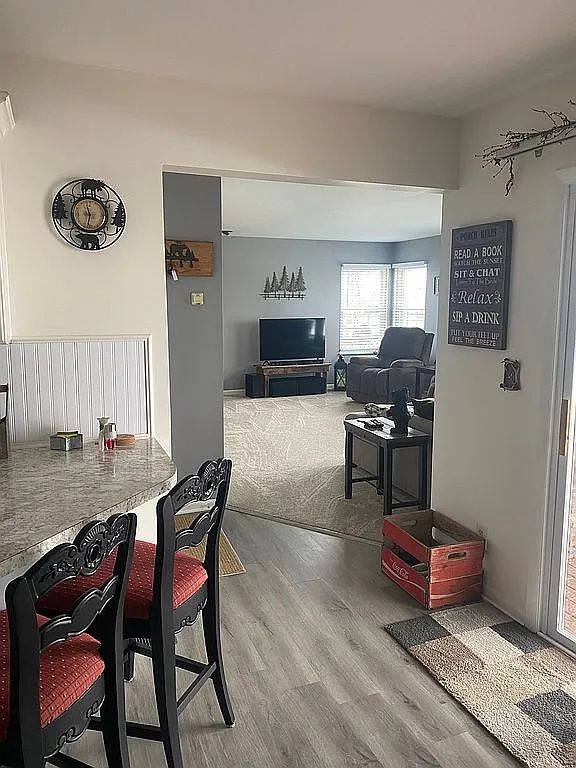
559,466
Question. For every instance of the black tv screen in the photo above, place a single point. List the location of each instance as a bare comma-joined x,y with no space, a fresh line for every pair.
292,338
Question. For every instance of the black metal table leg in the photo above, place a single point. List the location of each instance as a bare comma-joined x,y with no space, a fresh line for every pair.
349,456
424,501
381,471
388,500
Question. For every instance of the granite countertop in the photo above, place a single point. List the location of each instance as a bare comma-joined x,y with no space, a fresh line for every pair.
46,496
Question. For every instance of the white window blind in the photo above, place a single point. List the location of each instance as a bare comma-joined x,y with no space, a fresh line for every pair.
364,307
409,294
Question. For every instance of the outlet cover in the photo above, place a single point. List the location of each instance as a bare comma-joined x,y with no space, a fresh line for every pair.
483,532
197,299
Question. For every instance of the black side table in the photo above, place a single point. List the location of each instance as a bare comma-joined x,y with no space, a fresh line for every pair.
386,444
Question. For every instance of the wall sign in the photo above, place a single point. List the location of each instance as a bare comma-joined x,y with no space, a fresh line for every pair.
189,258
479,285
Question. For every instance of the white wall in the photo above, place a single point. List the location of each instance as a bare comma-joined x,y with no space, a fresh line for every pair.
56,385
77,121
490,450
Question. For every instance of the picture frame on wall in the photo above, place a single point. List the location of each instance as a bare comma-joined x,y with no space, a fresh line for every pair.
480,261
189,258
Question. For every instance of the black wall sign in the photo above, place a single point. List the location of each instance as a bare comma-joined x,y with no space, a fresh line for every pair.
479,285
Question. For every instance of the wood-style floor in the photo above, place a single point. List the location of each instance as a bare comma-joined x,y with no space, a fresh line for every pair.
315,680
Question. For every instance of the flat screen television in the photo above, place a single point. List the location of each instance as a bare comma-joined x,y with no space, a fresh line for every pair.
292,338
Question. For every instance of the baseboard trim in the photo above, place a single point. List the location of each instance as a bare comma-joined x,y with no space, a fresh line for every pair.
488,599
538,632
304,526
241,392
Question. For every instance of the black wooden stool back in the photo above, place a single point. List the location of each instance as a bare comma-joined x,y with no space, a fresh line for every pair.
211,484
154,636
105,605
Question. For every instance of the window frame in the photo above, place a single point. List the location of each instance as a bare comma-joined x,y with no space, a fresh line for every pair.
407,265
378,266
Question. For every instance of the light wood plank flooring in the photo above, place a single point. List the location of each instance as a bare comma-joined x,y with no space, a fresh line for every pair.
315,680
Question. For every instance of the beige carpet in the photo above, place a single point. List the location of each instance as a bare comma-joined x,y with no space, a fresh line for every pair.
517,684
230,563
288,463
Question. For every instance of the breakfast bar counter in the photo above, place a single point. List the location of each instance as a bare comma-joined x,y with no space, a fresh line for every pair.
46,496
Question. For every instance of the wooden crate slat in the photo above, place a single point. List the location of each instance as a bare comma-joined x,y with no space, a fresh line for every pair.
405,576
454,573
405,540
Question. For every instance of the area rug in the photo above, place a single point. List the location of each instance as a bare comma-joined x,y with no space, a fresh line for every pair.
519,686
288,463
230,563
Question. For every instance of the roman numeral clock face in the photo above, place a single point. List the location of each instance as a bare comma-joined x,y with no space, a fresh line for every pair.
88,214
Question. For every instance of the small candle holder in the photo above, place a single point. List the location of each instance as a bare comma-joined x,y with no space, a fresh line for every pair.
3,421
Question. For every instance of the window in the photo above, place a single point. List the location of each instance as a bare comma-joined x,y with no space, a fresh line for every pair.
376,296
364,306
409,297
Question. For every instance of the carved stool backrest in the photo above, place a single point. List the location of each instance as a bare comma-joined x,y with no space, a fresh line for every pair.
210,484
82,557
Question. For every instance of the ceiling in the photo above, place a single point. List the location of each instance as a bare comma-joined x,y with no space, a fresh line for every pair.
442,57
369,213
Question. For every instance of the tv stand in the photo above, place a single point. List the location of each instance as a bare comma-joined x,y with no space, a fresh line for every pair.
305,370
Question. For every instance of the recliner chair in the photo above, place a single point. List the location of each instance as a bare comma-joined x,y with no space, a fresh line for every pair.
373,378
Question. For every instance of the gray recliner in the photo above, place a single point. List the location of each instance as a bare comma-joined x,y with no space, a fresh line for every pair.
373,378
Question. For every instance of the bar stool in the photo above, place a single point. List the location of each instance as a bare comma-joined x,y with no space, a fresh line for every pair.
54,677
167,591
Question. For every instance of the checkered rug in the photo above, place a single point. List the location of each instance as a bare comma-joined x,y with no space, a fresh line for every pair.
519,686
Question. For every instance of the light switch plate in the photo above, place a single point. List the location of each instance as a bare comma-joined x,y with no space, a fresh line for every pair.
197,299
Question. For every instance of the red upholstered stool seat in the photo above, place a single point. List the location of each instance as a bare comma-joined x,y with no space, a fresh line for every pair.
189,577
67,670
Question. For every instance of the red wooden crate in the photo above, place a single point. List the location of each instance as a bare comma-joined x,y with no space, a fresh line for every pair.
433,558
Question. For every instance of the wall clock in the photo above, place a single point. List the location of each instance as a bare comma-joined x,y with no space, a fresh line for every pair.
88,214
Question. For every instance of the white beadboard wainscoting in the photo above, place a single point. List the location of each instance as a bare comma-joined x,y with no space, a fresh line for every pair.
57,385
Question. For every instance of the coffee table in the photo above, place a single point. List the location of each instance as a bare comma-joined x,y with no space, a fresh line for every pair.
386,444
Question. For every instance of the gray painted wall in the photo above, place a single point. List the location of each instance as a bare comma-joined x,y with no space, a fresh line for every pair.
193,211
247,261
426,249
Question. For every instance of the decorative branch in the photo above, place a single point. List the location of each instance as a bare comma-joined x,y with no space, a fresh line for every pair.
502,156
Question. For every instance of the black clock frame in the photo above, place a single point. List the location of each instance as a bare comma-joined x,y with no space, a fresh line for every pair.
79,237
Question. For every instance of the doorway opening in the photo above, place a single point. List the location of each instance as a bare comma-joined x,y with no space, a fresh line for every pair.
363,257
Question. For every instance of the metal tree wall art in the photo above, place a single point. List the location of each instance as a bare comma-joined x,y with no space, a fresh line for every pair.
503,156
284,288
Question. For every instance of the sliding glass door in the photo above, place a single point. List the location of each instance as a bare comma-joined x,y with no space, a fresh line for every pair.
560,595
